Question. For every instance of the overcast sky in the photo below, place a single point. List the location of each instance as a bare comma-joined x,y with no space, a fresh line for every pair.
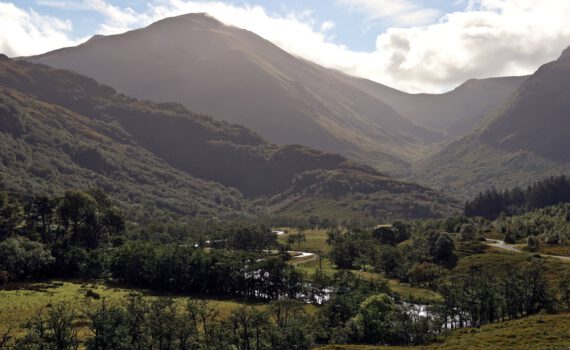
413,45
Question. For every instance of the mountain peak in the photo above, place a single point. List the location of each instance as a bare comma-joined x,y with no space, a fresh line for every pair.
198,17
218,70
95,37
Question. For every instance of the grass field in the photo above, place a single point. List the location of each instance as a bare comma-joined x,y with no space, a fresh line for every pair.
315,240
542,332
20,304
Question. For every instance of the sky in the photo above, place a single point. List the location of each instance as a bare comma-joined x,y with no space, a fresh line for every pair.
413,45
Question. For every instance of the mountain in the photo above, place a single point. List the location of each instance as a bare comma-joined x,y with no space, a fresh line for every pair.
63,130
526,139
537,117
453,113
47,148
235,75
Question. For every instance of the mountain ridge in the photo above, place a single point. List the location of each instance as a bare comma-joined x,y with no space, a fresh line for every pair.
225,157
237,76
452,113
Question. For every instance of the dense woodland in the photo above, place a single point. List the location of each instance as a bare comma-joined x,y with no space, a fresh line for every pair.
84,235
491,203
550,225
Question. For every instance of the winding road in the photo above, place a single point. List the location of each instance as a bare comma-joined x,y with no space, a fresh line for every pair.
301,255
298,258
495,243
295,255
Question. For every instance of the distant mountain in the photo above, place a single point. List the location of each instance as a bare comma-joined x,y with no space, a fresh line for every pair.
453,113
537,117
235,75
61,130
525,139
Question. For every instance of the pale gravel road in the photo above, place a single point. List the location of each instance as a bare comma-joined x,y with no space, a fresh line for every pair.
510,247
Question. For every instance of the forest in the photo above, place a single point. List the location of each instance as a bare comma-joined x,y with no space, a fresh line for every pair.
83,235
491,203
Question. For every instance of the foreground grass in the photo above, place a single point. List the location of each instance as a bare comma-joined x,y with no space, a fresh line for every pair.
543,332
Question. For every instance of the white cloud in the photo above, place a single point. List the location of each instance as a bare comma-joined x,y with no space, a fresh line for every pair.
489,38
396,12
327,25
25,32
117,19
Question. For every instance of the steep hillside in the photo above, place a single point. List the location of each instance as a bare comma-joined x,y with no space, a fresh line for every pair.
453,113
537,117
524,140
118,132
237,76
46,149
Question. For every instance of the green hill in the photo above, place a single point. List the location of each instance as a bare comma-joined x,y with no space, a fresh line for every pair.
46,149
71,131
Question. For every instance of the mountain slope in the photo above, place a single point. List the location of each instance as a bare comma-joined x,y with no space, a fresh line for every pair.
537,117
526,139
453,113
113,141
46,149
234,75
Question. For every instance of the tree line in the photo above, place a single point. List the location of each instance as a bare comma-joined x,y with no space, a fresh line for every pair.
83,235
180,269
491,203
549,225
166,324
359,311
69,236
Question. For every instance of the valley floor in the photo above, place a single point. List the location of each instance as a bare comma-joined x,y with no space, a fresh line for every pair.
20,302
315,242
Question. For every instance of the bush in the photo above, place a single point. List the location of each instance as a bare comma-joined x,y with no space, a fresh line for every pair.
3,277
532,243
21,258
